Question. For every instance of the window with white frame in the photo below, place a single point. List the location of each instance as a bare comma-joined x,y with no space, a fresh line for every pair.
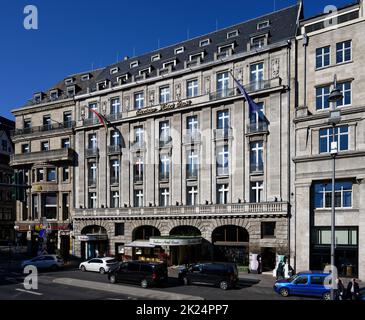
222,193
165,131
92,173
192,196
232,34
257,115
223,83
155,57
114,171
138,100
344,51
85,77
223,120
92,106
165,94
192,88
92,200
114,199
197,56
192,124
192,167
65,143
323,195
93,142
257,72
258,42
122,79
323,57
134,64
256,156
138,198
138,135
179,50
222,160
115,138
346,90
69,81
164,167
256,192
168,64
263,24
115,106
322,95
204,42
138,169
164,197
326,138
114,70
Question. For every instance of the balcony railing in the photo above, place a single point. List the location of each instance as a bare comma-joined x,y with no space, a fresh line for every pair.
58,155
138,178
92,152
114,116
138,146
192,175
164,176
241,209
91,121
191,137
256,167
222,171
44,128
91,182
115,149
165,141
226,93
258,127
114,180
222,133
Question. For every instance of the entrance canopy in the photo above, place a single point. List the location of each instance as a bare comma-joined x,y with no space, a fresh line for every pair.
175,241
93,237
140,244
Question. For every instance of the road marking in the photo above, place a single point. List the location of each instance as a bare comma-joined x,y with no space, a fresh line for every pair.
114,299
31,292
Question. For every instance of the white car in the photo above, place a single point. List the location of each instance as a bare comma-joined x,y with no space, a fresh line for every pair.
48,261
102,265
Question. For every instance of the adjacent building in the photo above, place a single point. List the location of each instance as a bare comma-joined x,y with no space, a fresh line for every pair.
7,200
329,45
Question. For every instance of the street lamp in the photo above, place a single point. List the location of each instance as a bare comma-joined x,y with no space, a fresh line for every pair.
334,119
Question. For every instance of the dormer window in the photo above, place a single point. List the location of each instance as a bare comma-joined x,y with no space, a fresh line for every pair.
258,42
156,57
69,81
114,70
70,91
194,57
146,71
225,50
85,77
101,85
170,64
263,24
179,50
204,42
37,98
232,34
53,94
134,64
123,78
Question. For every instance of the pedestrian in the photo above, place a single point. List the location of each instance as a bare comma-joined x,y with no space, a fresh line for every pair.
280,271
340,291
353,290
259,269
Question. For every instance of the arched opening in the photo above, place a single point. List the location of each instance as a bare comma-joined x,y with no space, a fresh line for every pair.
142,249
94,242
185,254
231,244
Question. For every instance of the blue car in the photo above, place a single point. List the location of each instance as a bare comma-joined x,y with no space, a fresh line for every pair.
311,284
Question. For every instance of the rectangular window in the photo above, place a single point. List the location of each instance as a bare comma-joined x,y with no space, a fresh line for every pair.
256,192
115,138
322,95
27,124
44,146
92,106
138,135
223,120
344,236
222,160
204,42
192,196
192,123
92,173
156,57
323,57
49,209
192,165
192,88
222,193
51,175
65,206
258,42
232,34
326,138
263,24
164,197
119,229
65,143
164,167
344,51
257,72
65,174
114,199
257,115
115,106
138,100
165,131
256,156
40,175
346,90
223,83
179,50
92,200
268,230
138,170
138,198
35,207
93,143
67,119
323,195
25,148
114,171
165,95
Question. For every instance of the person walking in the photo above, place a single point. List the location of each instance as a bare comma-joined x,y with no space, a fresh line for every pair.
340,290
353,290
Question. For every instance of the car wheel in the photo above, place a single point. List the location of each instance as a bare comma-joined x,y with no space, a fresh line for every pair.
223,285
284,292
102,270
144,283
83,269
113,279
327,296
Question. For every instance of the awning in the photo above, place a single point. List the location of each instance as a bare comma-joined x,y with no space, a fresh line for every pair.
175,241
140,244
93,237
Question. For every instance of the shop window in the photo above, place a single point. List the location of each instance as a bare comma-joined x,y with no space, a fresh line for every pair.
119,229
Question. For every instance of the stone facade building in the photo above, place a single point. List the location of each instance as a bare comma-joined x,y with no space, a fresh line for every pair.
328,45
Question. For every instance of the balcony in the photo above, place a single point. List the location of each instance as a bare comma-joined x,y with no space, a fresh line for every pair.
221,134
92,152
138,179
229,210
260,127
114,116
91,122
165,142
116,149
192,137
45,128
138,146
59,155
257,168
222,94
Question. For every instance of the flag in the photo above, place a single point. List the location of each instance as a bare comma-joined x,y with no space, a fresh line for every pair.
254,108
101,118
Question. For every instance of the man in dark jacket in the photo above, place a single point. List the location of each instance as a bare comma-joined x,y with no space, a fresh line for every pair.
353,290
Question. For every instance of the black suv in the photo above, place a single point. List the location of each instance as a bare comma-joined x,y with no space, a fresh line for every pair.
144,273
224,275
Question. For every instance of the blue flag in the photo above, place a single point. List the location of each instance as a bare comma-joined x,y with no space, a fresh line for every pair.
254,108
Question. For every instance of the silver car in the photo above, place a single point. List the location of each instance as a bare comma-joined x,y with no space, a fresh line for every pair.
49,261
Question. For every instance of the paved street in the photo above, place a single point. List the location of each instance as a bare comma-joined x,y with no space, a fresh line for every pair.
72,284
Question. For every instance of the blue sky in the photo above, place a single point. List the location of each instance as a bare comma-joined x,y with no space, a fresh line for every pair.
76,35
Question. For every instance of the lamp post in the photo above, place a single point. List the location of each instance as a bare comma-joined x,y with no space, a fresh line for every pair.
334,119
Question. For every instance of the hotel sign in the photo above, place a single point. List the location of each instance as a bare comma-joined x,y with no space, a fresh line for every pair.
175,241
165,107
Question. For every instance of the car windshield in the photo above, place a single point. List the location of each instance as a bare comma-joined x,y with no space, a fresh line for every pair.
291,279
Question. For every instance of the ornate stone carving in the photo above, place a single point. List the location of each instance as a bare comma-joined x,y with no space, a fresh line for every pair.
207,85
275,68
